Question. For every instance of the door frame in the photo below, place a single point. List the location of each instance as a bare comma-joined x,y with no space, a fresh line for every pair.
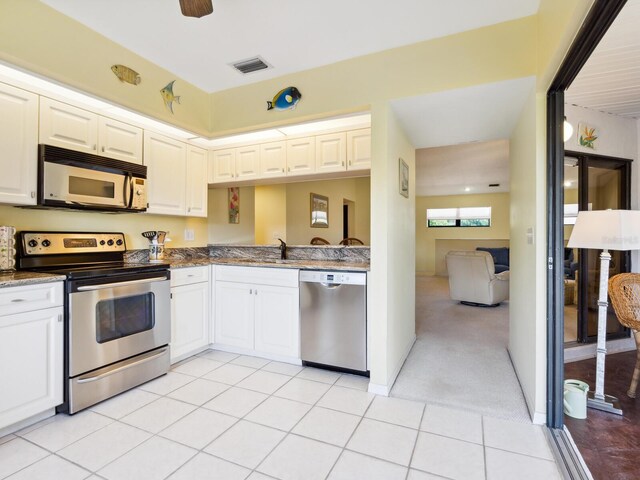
596,24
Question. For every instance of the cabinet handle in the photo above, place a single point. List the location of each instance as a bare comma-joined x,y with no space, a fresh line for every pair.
288,169
94,147
18,300
250,291
283,170
343,163
256,292
33,194
59,318
350,162
103,148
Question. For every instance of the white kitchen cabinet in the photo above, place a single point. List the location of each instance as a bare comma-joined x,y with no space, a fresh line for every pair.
247,162
222,165
165,159
359,149
189,311
31,351
257,310
66,126
119,140
273,159
234,318
301,156
277,326
196,189
18,146
331,152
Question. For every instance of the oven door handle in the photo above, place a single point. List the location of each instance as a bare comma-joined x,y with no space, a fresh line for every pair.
88,288
134,362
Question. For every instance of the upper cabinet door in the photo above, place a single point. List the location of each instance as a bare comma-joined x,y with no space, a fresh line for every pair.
119,140
222,166
247,162
196,182
18,146
359,149
331,152
166,160
273,159
301,156
69,127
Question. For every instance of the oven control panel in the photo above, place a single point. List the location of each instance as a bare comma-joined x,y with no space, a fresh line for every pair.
53,243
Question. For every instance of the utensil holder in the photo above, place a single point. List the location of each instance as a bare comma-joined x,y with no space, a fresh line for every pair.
156,252
7,248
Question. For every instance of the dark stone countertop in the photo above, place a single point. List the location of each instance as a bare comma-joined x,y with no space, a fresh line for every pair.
19,278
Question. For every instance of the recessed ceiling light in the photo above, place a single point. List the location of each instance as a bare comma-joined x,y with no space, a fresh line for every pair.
568,183
467,189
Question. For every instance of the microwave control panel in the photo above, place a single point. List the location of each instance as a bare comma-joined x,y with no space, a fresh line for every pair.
53,243
138,194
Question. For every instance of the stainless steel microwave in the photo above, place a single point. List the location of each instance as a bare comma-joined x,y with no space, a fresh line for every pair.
71,179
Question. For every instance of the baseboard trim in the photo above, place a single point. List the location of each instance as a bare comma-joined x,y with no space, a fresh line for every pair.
379,389
584,352
27,422
538,418
253,353
568,457
386,389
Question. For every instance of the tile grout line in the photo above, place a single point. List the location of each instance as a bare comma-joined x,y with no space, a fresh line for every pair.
415,444
484,448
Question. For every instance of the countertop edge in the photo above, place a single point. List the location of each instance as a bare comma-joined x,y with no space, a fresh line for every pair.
20,278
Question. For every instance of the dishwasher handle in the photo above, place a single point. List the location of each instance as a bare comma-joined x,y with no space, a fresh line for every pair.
330,286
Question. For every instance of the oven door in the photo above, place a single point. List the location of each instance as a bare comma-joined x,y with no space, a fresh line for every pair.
114,318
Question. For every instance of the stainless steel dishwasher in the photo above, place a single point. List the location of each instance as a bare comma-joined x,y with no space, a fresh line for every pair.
333,320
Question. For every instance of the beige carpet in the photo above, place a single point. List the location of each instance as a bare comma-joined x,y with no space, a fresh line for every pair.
460,357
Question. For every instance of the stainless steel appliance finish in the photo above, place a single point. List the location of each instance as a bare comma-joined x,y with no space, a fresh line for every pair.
79,180
117,315
333,319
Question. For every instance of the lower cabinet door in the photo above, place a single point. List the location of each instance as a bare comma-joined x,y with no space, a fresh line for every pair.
31,355
277,320
234,314
189,319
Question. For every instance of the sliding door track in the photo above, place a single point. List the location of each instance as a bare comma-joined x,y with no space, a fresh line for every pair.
568,458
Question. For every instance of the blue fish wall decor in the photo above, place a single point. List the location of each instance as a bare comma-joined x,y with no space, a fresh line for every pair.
285,99
168,97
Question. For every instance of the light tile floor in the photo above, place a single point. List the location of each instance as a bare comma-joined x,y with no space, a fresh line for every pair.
219,416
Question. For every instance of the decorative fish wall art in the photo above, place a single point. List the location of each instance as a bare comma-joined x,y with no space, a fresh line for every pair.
169,97
285,99
126,74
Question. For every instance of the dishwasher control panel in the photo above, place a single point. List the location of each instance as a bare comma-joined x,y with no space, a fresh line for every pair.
342,278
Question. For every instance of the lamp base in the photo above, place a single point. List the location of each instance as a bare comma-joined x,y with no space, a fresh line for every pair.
609,404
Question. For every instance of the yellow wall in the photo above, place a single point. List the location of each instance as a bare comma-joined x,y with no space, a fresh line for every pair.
271,214
39,38
299,230
220,230
426,237
131,224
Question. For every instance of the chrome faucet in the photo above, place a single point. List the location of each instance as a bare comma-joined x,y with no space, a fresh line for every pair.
283,250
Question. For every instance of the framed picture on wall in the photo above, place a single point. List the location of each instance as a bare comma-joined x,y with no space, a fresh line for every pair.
234,204
319,211
404,178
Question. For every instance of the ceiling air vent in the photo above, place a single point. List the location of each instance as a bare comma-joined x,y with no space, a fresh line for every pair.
494,184
251,65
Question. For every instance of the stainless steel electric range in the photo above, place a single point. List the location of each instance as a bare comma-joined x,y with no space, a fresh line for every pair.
117,314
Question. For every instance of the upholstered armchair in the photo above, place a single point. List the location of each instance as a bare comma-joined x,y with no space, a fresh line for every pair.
473,281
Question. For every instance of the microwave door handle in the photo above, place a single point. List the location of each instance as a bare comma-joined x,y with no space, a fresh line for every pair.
128,191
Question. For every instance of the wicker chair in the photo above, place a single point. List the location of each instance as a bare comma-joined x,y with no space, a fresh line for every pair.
319,241
351,241
624,290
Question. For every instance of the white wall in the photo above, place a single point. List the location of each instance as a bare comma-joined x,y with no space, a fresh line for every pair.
527,304
220,230
391,291
617,137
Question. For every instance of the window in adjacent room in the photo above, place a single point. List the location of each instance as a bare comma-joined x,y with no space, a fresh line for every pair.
459,217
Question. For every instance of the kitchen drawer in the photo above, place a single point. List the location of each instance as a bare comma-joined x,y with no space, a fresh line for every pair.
28,298
277,277
189,275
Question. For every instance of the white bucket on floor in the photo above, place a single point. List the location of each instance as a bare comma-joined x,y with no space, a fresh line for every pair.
575,398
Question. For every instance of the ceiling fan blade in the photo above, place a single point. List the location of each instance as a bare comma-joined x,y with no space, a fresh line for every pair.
196,8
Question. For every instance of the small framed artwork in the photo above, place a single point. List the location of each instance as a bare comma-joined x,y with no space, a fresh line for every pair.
587,136
234,204
404,178
319,211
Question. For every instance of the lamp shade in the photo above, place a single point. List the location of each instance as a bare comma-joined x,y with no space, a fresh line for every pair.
606,230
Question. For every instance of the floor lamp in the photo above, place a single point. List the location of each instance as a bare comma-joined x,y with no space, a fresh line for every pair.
605,230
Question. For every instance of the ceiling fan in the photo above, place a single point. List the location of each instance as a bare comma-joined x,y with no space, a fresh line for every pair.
196,8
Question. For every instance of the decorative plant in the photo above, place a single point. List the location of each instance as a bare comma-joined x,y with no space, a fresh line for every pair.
587,137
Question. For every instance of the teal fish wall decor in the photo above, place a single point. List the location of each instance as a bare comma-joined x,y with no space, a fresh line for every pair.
126,74
169,97
285,99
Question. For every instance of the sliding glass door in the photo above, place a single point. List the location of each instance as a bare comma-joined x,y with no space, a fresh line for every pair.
602,183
